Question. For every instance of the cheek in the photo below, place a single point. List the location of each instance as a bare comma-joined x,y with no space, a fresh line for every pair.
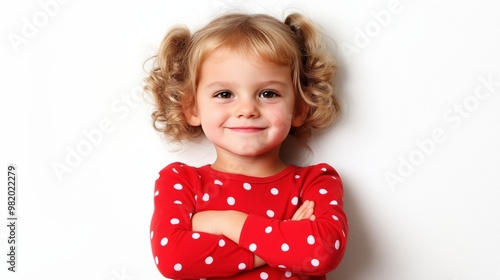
281,117
211,117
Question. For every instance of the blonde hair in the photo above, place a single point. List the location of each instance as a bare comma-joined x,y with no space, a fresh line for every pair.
295,42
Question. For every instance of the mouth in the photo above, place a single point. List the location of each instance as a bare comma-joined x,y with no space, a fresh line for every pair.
246,129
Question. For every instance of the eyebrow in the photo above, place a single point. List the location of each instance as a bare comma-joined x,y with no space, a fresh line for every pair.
263,84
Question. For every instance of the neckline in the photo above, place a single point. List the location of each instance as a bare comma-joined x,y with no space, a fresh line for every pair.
246,178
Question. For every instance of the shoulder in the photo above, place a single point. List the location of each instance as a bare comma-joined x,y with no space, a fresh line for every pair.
178,170
320,169
321,172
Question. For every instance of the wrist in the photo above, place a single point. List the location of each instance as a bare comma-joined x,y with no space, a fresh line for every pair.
231,224
257,261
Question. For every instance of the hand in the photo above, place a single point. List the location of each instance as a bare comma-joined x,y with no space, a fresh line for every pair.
205,222
305,211
220,222
228,223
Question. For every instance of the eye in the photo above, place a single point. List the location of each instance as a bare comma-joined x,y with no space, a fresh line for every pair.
268,94
223,94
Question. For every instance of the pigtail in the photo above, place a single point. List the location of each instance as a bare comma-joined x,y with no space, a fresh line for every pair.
316,77
167,84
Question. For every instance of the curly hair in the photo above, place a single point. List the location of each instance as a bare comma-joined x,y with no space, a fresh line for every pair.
295,43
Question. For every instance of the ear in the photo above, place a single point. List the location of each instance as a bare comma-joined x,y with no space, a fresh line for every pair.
192,117
300,113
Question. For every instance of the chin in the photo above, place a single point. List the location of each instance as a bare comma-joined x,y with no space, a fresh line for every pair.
248,153
252,152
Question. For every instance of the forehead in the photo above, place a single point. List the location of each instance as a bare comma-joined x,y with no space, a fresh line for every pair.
221,55
229,67
226,57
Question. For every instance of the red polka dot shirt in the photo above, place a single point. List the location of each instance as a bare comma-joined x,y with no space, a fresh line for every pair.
302,249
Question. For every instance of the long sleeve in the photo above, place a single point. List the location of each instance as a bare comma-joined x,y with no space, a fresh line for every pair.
303,247
177,250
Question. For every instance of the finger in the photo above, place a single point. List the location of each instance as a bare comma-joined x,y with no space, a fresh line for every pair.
308,213
305,211
300,212
311,204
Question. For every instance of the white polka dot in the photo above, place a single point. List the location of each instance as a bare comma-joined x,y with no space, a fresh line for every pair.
196,197
270,213
323,169
222,243
247,186
177,202
157,193
175,170
174,221
274,191
156,260
335,217
285,247
288,274
242,266
334,202
164,241
269,229
343,233
252,247
295,200
315,262
263,275
205,197
337,244
310,240
178,267
195,235
152,233
281,266
231,200
334,177
178,187
323,191
209,260
297,176
217,182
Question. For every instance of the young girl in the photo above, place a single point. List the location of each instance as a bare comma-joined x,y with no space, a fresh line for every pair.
246,82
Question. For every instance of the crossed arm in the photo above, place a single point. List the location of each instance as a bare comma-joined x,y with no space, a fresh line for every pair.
230,223
312,242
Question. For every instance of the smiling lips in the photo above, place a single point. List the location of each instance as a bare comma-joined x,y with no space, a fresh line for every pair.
247,129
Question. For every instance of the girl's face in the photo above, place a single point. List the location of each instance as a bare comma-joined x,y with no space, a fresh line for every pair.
244,105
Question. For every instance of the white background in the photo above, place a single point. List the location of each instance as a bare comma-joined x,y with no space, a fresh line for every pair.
75,68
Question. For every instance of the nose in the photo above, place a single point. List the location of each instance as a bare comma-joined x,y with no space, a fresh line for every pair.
247,108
